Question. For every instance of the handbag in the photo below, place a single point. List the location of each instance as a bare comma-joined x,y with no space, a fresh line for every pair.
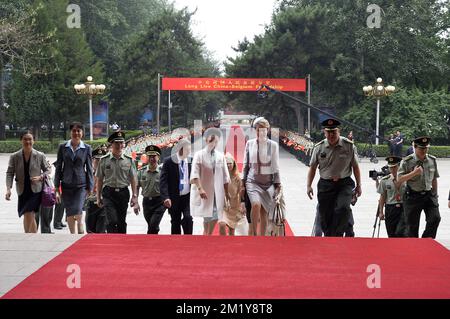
276,226
48,196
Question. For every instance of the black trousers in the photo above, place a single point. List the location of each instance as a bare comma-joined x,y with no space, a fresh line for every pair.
58,213
44,217
248,208
95,218
395,220
153,213
398,150
180,209
334,205
349,232
115,204
413,204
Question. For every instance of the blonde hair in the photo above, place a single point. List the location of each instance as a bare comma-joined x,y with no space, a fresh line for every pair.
234,170
261,122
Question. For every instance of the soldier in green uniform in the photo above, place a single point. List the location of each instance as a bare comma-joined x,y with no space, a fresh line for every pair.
116,171
419,171
391,194
336,158
95,216
148,180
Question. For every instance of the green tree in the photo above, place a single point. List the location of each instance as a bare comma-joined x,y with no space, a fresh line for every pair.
331,41
49,98
415,112
167,47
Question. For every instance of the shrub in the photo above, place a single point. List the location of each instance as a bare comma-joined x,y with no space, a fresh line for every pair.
383,150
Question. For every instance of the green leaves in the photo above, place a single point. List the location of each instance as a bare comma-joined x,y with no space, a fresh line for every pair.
331,41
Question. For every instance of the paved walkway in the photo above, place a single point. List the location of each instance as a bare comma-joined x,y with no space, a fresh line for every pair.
22,254
300,209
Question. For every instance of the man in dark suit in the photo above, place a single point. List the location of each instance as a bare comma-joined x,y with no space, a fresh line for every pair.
175,188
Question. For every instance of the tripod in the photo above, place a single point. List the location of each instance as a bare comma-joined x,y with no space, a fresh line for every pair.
375,224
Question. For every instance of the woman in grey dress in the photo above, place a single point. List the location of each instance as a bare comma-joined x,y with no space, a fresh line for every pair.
74,173
261,175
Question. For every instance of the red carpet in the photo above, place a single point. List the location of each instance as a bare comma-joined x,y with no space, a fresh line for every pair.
235,145
144,266
288,230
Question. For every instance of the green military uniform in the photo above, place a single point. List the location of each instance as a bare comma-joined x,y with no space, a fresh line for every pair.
153,204
419,194
117,174
335,187
393,207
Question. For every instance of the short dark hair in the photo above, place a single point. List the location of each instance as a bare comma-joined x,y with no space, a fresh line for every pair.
76,125
25,133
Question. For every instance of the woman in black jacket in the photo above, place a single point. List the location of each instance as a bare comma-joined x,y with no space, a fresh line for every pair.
74,173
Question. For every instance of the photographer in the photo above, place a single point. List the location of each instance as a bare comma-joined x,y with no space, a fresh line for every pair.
391,193
419,171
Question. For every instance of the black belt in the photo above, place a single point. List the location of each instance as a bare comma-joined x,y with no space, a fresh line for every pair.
116,189
409,190
153,198
334,180
395,205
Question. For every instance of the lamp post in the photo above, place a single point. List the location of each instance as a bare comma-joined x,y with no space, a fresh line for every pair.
159,103
90,89
378,90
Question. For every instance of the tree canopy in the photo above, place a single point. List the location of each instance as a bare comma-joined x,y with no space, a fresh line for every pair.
125,44
330,40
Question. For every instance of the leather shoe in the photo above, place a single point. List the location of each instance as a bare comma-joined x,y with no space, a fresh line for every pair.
58,226
63,225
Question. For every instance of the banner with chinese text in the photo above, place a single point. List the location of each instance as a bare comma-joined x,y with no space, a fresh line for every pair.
226,84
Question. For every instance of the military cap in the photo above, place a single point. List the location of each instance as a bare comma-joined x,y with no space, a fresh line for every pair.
330,124
393,160
152,150
118,136
422,142
99,152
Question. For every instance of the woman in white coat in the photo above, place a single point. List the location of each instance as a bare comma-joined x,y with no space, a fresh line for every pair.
210,176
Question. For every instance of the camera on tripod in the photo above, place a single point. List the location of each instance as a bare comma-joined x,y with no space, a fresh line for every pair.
374,174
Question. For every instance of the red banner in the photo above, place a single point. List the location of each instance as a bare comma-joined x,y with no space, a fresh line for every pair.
226,84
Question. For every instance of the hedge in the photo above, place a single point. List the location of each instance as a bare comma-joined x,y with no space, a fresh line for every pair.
383,150
14,146
52,147
43,146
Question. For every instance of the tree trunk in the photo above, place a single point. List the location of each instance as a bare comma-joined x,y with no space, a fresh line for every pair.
300,119
2,103
36,132
50,132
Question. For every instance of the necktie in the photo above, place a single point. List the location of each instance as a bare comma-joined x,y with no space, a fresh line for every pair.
213,161
181,175
258,161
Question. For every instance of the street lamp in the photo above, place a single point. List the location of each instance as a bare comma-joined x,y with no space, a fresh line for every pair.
378,91
90,89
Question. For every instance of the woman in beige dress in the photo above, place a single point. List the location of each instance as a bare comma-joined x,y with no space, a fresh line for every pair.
27,168
234,211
